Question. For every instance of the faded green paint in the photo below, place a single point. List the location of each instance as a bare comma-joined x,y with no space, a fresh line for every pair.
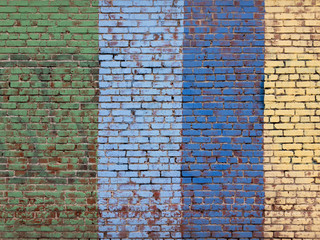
48,118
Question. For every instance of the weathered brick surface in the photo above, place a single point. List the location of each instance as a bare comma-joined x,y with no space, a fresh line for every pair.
140,119
222,119
292,120
178,119
48,119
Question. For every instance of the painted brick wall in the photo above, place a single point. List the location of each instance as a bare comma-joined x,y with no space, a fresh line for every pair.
291,127
222,119
140,119
159,119
48,119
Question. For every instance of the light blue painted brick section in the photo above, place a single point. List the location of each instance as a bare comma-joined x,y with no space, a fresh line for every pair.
140,119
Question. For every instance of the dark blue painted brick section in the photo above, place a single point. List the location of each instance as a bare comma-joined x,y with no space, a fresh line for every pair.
222,171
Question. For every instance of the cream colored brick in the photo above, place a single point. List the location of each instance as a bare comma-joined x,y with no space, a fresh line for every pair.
304,153
276,105
273,228
270,194
304,200
280,220
274,214
292,146
304,43
294,50
282,167
313,228
311,132
308,70
307,98
313,91
304,235
295,91
296,160
304,119
304,29
312,105
283,153
287,70
304,180
314,146
274,159
280,86
302,221
294,77
274,63
275,50
295,63
315,77
273,119
312,22
284,234
295,119
312,173
286,98
285,119
273,133
302,167
295,174
284,180
295,105
284,112
284,30
307,56
294,187
305,126
274,188
284,126
283,139
294,228
274,174
303,207
291,200
293,133
269,70
313,63
273,147
286,56
286,194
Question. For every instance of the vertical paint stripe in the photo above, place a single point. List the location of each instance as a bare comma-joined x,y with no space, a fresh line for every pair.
140,119
292,120
223,58
49,113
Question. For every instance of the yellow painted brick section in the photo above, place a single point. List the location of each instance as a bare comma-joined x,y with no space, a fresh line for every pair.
292,122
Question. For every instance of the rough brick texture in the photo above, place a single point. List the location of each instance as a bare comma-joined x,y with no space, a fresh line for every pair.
143,119
140,119
48,119
291,128
222,119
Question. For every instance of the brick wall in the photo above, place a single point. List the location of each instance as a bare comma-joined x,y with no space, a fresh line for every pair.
222,120
140,119
159,119
291,120
48,124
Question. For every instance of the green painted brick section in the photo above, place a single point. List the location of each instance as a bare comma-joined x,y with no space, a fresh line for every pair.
48,119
